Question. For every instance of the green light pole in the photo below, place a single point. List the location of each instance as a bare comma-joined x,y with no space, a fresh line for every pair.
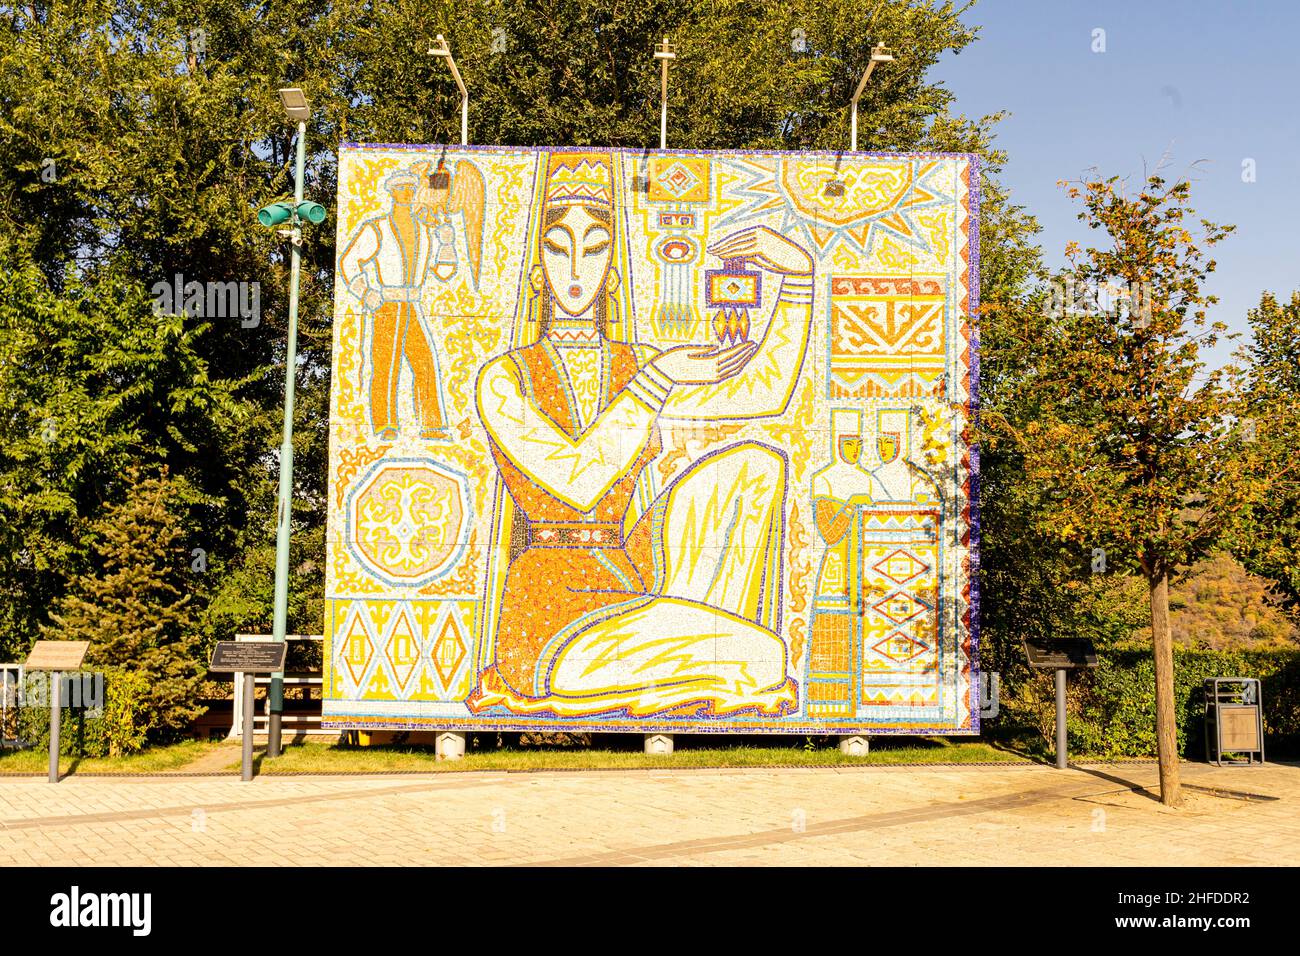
296,106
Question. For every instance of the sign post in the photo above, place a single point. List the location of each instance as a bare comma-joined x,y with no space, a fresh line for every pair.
1062,748
249,704
1061,655
56,718
249,659
56,657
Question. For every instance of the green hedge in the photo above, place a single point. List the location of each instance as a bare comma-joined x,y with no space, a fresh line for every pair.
118,730
1110,710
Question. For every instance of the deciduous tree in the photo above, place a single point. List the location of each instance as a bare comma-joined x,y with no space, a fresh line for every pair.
1267,536
1133,441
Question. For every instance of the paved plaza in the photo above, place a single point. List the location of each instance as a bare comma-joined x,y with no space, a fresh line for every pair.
1022,815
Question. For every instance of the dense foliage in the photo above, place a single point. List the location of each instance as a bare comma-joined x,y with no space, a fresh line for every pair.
1267,537
1111,709
114,726
133,609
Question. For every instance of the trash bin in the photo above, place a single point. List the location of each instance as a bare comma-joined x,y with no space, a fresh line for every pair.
1234,721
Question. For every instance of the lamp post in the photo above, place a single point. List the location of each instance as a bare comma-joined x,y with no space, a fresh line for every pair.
441,48
297,108
879,54
663,53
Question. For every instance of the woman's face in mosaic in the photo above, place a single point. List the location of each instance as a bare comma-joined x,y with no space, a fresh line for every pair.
576,250
850,449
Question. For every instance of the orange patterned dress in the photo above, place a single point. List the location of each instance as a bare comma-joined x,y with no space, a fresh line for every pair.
575,566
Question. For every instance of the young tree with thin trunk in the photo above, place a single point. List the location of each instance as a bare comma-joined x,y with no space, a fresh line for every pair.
1135,442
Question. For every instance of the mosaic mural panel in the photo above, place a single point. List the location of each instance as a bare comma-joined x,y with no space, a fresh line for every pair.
669,442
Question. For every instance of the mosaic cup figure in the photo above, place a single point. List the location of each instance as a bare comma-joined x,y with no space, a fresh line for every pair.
384,266
679,609
840,492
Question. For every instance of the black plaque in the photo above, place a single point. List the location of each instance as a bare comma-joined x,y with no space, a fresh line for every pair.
1062,653
249,657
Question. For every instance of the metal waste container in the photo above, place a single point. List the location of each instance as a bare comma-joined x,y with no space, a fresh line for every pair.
1234,721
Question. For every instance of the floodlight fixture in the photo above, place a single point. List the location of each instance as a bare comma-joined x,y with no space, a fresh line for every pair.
279,212
295,104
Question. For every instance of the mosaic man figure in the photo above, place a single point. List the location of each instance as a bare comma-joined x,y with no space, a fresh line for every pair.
386,264
679,611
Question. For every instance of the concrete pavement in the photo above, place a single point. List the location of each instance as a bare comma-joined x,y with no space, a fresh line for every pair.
917,815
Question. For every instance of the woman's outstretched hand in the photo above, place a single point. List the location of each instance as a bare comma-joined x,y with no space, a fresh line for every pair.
767,249
704,364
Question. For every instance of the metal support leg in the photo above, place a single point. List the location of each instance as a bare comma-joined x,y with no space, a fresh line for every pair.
56,712
1062,757
250,695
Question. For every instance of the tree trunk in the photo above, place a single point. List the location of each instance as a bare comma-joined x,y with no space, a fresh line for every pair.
1162,644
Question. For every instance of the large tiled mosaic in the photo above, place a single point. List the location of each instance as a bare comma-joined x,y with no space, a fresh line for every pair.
655,442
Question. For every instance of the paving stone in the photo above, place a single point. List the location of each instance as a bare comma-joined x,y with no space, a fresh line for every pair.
1023,816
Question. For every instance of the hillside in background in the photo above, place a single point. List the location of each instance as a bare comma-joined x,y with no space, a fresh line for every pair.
1220,605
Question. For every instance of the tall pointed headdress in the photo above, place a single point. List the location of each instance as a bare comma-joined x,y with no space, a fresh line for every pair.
579,179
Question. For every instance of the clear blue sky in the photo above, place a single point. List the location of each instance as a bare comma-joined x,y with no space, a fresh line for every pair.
1217,82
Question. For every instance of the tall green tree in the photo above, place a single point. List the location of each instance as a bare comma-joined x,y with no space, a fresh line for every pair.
1267,536
1033,583
136,142
92,382
132,605
582,72
1135,443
